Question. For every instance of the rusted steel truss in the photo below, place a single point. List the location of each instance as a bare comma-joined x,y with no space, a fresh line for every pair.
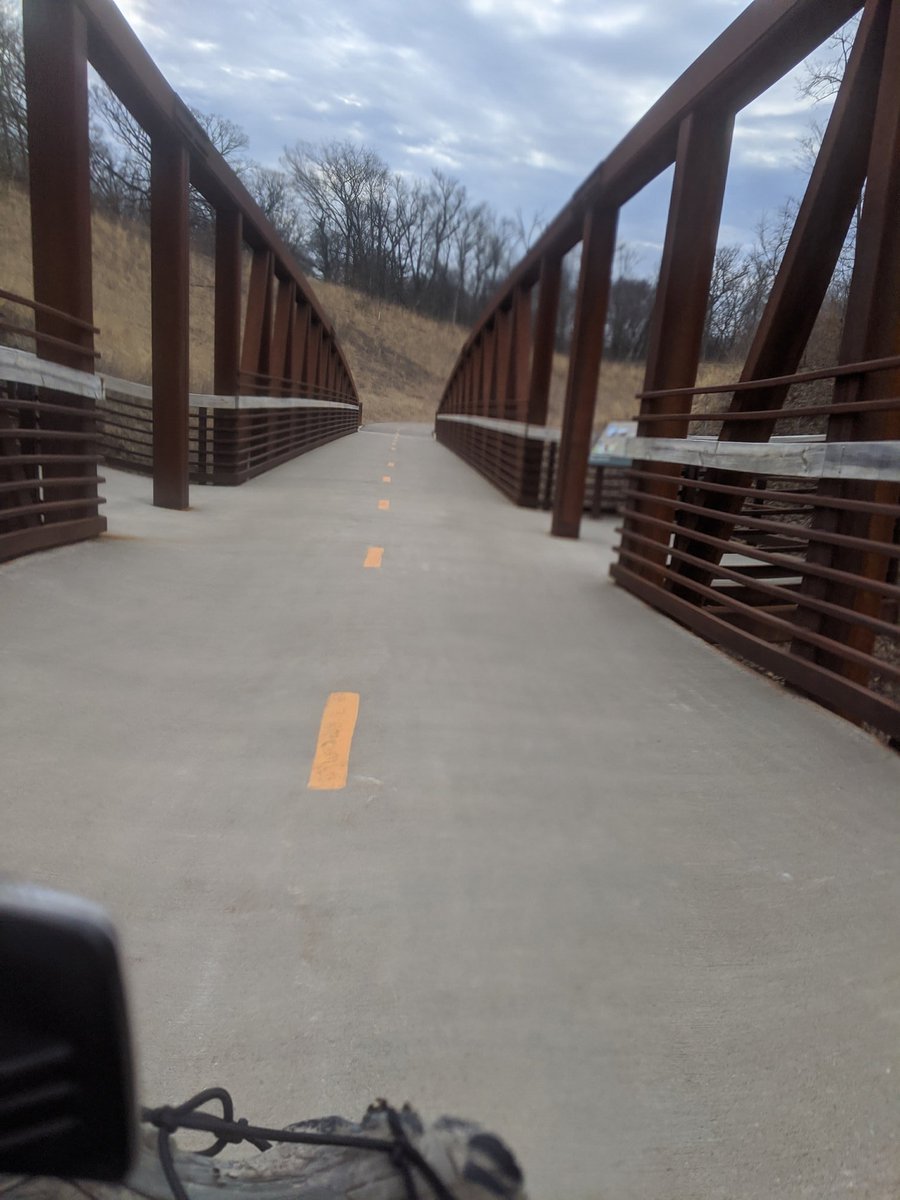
796,574
288,347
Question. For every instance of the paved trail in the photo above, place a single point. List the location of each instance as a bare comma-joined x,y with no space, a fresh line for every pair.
588,881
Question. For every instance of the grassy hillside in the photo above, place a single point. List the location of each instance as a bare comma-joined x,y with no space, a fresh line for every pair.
400,360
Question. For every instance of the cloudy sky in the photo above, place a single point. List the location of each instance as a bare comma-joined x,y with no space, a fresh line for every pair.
517,98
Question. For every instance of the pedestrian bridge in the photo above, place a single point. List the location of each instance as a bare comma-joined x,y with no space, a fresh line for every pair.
587,879
391,792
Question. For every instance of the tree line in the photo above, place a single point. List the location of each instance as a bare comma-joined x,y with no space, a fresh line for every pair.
422,243
344,213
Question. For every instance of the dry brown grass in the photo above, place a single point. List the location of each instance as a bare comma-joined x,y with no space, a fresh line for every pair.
619,384
400,360
121,289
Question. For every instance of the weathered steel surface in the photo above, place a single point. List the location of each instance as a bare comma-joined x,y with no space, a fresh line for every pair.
584,370
48,455
227,337
55,41
170,320
798,458
676,330
549,285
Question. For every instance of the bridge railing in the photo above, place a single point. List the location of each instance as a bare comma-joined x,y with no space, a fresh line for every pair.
280,345
49,456
230,439
787,555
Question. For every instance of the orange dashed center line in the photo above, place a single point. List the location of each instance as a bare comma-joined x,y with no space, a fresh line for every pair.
384,505
374,556
332,759
385,479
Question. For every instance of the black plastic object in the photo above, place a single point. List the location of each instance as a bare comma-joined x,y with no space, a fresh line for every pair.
67,1105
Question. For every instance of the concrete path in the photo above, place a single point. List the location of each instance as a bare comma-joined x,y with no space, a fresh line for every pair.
590,881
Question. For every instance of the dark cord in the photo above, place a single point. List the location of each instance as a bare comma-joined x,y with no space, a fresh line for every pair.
228,1132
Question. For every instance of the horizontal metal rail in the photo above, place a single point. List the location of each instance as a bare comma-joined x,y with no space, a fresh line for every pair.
42,338
25,302
230,438
48,470
20,366
872,366
113,386
805,458
538,433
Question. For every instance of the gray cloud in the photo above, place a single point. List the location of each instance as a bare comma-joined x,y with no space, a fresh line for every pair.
518,98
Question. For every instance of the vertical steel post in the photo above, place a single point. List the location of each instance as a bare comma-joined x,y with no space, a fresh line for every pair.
537,394
170,320
544,340
585,355
299,349
487,367
312,356
287,371
55,42
501,361
258,324
520,356
227,343
679,312
284,307
322,357
477,358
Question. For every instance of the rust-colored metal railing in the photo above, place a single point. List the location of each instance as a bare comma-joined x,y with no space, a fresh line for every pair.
282,346
49,459
230,440
785,552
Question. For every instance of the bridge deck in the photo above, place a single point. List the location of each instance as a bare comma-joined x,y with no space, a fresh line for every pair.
590,881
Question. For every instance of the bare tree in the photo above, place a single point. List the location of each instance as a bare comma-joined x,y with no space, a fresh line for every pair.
763,261
821,80
13,125
446,209
491,255
568,296
343,189
724,325
228,138
822,76
412,217
464,243
528,229
630,307
272,191
120,154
